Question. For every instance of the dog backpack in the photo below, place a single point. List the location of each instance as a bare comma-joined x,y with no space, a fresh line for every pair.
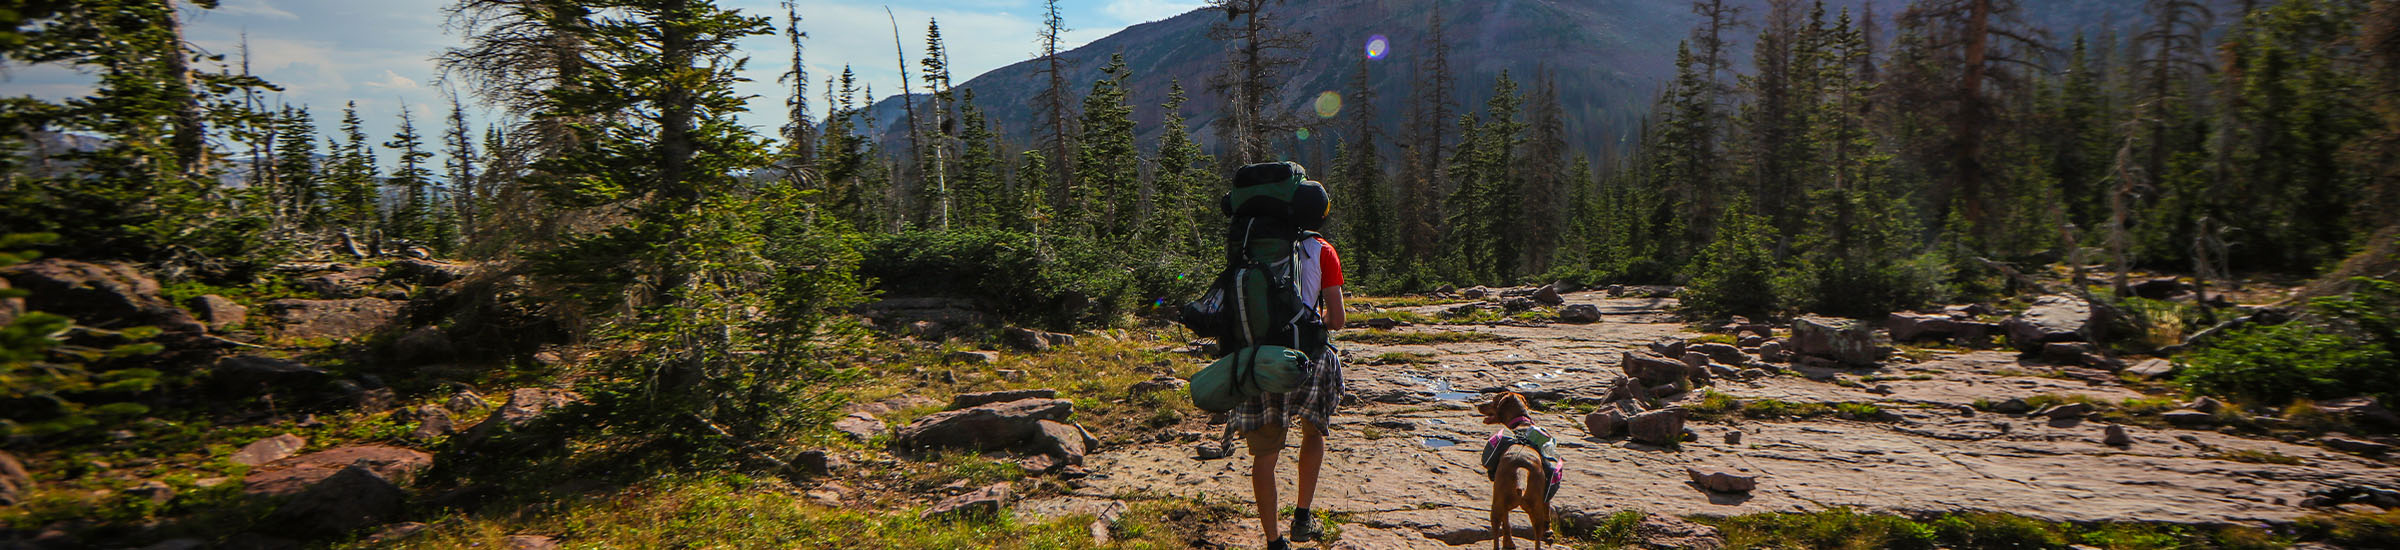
1253,307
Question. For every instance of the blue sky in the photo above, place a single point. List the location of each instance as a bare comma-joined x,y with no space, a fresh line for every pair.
380,52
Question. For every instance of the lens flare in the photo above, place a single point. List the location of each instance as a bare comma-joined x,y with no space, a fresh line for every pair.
1329,104
1302,133
1377,46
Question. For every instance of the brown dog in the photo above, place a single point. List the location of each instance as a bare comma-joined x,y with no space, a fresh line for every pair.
1521,478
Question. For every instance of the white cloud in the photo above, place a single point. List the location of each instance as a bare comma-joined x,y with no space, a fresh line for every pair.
392,81
1144,11
254,8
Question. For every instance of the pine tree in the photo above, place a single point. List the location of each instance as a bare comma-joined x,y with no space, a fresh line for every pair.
1427,149
299,187
415,218
352,178
1489,194
1106,193
1736,274
2300,104
936,67
1180,213
980,190
1055,112
799,131
1031,206
467,194
1542,207
1367,223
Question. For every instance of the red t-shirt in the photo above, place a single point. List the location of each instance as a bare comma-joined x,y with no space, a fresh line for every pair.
1329,265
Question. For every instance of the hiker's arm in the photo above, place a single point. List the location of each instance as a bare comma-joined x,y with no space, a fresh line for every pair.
1334,314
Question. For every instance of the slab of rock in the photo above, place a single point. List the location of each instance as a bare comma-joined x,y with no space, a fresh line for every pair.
2368,410
981,502
352,498
293,475
1579,313
523,407
1660,427
14,480
268,449
859,426
2206,404
2065,411
337,319
984,427
1652,370
2187,416
1911,327
2054,318
966,400
1848,341
1720,480
1035,341
1665,531
973,357
218,312
342,284
2349,445
106,295
2013,405
2152,368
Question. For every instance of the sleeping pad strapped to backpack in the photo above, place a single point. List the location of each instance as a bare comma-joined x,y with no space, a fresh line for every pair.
1253,309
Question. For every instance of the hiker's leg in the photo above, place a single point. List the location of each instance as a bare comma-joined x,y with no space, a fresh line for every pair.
1312,459
1266,444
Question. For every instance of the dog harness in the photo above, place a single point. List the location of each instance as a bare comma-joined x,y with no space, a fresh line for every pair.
1530,436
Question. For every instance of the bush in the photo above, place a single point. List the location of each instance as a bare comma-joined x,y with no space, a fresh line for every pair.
1737,273
2349,348
1057,283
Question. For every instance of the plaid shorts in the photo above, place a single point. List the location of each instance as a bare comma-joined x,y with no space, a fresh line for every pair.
1319,392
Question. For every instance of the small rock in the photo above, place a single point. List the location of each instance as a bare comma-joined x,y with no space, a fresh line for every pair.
1475,293
1548,294
1666,531
1772,351
828,495
218,312
1517,304
1158,383
1208,450
1035,341
1660,427
1604,423
268,449
1721,481
1721,353
973,357
817,462
432,421
1579,313
2187,416
1012,375
2066,411
2014,405
2115,436
1733,437
2152,368
2205,404
14,480
985,501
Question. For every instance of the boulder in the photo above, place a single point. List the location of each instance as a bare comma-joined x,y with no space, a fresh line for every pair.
2054,318
268,449
1548,295
1035,341
347,283
2152,368
2115,436
984,427
1722,353
2065,411
14,480
352,498
427,272
859,426
1667,347
1720,480
523,407
216,311
425,344
1772,351
1652,370
292,476
1158,383
1579,313
1604,423
981,502
1475,293
432,421
1660,427
251,374
2013,405
1848,341
966,400
1517,304
1062,441
106,295
338,319
2367,410
973,357
1911,327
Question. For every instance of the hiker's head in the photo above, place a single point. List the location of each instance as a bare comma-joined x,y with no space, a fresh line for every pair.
1506,406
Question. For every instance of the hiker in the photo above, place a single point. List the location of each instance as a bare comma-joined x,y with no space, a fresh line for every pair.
1263,421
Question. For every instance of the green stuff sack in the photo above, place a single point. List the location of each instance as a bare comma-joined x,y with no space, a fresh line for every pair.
1247,373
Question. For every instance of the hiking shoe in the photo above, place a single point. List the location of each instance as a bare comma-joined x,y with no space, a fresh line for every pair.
1279,544
1304,526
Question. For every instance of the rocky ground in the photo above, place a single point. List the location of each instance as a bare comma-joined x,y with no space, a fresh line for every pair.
1402,461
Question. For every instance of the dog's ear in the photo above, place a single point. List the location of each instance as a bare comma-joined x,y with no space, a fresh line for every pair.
1512,405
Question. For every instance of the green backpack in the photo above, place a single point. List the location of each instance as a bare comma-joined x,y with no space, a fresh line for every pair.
1253,308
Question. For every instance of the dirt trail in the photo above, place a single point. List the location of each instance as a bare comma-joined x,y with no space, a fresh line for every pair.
1402,458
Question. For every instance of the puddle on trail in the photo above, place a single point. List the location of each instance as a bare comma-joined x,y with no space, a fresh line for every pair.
1437,443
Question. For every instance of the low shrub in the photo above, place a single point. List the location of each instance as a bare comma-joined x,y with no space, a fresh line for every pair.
1052,282
2350,347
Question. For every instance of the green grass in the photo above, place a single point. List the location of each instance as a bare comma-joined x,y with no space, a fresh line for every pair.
1714,338
1400,301
1403,358
1719,407
1614,531
1396,338
1841,528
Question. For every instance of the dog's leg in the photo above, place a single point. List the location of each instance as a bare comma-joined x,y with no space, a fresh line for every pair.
1504,496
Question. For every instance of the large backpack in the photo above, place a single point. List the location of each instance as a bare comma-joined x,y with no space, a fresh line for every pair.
1253,307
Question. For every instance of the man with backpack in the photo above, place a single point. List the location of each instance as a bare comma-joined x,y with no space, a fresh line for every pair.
1264,420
